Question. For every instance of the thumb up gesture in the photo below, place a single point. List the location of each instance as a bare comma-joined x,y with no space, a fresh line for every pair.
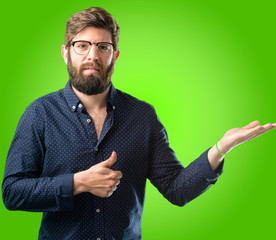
99,180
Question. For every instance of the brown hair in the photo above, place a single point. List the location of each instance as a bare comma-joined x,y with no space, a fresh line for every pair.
95,17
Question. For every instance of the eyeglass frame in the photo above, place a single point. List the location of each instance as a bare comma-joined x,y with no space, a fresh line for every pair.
91,43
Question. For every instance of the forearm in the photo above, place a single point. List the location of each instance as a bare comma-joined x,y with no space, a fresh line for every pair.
195,179
180,185
38,194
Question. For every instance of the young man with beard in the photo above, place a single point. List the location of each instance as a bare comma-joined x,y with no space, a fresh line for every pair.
73,148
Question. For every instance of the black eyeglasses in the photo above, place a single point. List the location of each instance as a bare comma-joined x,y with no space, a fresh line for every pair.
82,47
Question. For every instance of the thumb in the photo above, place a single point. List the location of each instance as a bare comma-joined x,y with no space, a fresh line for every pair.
111,160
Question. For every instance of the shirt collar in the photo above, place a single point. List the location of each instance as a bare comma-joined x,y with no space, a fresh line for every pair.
111,100
74,103
71,98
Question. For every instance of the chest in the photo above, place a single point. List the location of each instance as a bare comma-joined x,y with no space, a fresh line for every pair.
98,121
83,141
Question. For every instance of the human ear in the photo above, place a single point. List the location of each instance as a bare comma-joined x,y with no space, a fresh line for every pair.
64,53
117,53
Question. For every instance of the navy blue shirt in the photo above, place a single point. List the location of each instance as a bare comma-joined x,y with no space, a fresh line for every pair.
56,138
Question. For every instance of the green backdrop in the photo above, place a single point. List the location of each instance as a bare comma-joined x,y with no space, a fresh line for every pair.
206,66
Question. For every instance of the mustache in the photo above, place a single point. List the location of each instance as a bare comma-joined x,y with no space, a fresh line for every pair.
94,64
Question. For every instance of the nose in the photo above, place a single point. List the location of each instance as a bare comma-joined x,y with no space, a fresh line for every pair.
93,54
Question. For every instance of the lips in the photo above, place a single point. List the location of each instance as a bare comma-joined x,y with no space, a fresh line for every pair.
87,70
91,68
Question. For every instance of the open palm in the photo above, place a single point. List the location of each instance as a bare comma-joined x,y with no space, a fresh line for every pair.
237,136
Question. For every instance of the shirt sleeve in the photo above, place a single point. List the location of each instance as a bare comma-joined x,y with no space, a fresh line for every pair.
177,183
23,187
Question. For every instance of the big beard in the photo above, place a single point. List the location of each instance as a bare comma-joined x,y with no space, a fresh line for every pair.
91,84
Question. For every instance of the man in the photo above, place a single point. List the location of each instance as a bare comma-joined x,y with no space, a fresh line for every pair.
82,155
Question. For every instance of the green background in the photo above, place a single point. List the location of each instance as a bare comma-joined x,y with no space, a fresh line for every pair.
206,66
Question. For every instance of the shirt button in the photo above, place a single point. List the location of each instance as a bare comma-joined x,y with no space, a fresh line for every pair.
88,120
98,238
80,105
113,107
98,210
74,107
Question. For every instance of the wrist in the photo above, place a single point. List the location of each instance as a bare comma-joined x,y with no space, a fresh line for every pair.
78,186
223,147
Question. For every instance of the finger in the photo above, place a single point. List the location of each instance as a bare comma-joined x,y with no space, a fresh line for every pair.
110,193
248,133
255,132
117,183
119,174
255,135
267,127
111,160
261,130
252,124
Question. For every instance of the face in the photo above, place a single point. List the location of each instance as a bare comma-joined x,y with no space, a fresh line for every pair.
90,73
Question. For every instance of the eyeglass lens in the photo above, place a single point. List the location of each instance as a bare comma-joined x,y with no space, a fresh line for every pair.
84,47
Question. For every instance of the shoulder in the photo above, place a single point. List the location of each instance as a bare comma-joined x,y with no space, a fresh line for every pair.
39,110
36,114
46,103
136,111
133,103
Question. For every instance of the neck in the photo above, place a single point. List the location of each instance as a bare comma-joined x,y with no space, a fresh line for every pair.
93,103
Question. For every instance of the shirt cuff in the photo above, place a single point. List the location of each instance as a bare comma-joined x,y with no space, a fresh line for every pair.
204,165
64,192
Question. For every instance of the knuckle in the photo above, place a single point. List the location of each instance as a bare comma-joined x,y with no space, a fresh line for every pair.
120,175
113,175
112,183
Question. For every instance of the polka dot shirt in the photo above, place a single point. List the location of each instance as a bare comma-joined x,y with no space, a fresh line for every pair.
56,138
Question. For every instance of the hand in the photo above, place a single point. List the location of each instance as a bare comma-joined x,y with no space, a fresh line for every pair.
237,136
99,180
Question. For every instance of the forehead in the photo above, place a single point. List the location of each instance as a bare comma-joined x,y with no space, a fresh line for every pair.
93,34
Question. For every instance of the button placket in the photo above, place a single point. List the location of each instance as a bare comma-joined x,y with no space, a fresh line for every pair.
99,216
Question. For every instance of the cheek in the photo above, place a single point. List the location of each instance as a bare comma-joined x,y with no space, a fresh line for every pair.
108,60
76,63
76,60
